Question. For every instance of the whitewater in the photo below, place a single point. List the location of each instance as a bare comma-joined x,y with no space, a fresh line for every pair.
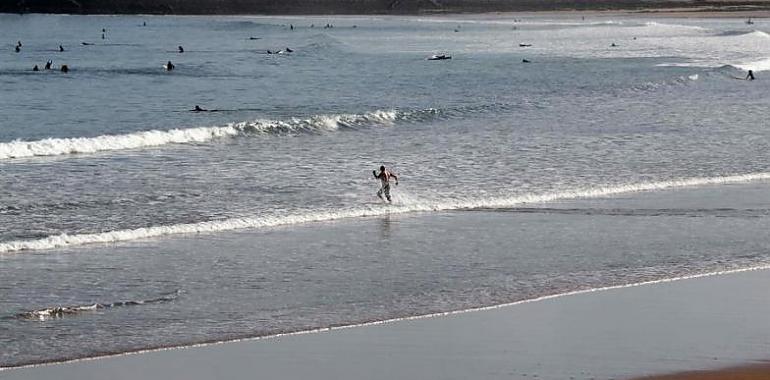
129,220
411,205
154,138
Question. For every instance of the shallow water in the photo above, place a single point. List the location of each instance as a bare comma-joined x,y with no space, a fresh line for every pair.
109,153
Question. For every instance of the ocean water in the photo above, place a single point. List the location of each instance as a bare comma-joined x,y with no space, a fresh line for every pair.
128,222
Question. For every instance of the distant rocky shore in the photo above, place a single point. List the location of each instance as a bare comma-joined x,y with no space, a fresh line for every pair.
357,6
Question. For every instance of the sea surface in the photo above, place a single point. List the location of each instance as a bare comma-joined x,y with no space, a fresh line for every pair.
128,222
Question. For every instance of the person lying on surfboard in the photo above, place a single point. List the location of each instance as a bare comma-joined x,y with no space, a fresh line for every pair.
384,176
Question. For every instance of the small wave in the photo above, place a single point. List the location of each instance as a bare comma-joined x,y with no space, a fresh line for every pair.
153,138
756,33
756,65
439,314
651,86
65,240
665,212
63,311
698,64
313,124
739,33
659,25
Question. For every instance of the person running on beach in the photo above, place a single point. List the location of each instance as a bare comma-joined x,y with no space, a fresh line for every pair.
384,176
750,75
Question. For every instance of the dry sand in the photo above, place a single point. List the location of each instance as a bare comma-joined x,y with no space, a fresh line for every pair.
751,372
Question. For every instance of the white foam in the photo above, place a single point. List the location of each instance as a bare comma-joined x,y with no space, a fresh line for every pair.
755,65
757,33
665,26
154,138
65,240
699,64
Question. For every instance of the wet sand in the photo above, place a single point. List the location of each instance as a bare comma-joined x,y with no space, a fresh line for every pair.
695,324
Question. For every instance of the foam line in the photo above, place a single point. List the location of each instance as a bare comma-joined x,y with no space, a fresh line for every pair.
408,318
154,138
62,311
66,240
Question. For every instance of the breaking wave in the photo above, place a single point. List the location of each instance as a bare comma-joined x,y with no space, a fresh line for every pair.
154,138
313,124
666,26
756,65
65,240
762,64
63,311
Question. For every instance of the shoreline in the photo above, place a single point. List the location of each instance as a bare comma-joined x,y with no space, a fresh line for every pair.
690,199
429,316
492,344
753,371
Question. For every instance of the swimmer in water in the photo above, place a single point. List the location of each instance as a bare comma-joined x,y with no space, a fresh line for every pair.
169,66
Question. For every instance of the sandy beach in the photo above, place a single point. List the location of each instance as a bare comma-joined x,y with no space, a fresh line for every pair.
612,334
702,323
749,372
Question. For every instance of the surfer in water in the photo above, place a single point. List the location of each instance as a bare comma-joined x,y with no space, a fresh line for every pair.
750,75
384,176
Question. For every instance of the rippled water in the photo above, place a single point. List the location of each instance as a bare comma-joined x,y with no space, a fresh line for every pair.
105,173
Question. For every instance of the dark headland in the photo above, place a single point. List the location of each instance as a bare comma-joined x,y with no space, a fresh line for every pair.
359,6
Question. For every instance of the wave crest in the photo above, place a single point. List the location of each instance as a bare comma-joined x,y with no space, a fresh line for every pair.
63,311
65,240
153,138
